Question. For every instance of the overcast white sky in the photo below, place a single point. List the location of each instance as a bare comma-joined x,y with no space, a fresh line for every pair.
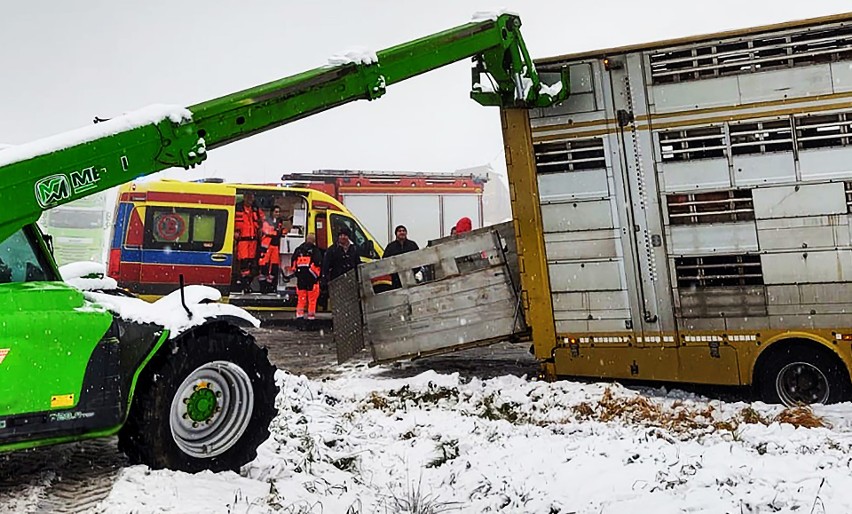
65,62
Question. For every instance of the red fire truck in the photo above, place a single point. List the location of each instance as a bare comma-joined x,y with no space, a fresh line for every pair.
428,204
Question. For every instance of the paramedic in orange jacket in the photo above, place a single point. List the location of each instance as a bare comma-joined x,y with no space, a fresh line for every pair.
270,254
306,265
247,231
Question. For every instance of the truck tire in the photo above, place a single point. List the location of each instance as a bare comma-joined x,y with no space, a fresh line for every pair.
204,401
802,374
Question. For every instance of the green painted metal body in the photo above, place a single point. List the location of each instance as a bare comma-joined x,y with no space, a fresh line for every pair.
48,330
94,434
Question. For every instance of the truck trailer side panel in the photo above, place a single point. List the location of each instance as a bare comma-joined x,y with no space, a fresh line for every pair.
691,204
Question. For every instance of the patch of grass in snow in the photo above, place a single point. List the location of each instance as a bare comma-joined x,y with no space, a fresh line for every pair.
491,407
411,434
348,463
679,418
801,416
447,451
683,418
404,397
750,416
509,497
308,449
413,500
279,503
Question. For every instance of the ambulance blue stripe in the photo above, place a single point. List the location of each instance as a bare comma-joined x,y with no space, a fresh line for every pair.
173,257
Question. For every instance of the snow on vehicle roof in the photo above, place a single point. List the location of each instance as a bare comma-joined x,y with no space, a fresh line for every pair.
490,15
169,312
150,115
552,90
81,269
357,55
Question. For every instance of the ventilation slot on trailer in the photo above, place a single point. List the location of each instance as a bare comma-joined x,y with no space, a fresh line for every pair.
801,47
716,207
760,137
718,271
692,144
824,130
571,155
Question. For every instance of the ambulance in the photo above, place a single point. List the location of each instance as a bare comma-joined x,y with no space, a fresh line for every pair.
166,229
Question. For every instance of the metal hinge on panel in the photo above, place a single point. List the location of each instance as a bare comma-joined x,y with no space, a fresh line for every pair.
714,350
634,368
575,349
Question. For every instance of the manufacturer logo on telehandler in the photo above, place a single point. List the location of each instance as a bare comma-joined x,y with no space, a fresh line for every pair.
56,188
52,190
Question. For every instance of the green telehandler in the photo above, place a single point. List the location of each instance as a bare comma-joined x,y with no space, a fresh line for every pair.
179,381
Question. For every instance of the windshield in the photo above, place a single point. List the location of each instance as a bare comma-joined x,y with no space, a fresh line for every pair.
20,260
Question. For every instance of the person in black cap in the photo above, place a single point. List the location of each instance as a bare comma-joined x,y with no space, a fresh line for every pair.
340,258
399,246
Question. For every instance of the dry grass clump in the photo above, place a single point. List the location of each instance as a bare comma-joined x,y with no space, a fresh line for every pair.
637,409
801,416
679,418
641,410
378,401
750,416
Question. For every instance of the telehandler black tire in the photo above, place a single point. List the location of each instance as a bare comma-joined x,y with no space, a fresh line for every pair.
204,402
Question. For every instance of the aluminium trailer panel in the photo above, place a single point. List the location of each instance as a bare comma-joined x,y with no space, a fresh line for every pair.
457,294
693,202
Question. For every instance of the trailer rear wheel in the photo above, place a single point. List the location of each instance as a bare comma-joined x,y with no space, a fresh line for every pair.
802,374
205,401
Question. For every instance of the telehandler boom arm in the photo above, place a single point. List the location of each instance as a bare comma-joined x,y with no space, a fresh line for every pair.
56,170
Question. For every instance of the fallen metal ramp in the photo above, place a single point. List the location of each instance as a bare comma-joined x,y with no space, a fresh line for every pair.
457,294
348,328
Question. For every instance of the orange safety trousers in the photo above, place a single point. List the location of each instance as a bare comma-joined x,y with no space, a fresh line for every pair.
307,298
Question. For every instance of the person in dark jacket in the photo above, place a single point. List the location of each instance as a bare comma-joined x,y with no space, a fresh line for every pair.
401,244
306,264
341,257
398,246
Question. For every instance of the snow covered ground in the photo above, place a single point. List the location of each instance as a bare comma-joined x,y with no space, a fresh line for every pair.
361,443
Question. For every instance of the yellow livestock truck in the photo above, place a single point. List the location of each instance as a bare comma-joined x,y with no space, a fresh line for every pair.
684,216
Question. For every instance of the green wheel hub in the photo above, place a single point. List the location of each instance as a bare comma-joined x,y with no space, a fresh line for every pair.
202,404
211,409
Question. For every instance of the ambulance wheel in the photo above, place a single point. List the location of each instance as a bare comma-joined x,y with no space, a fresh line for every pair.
204,401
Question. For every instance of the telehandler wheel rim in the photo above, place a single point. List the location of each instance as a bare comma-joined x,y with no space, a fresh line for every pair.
802,382
211,409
